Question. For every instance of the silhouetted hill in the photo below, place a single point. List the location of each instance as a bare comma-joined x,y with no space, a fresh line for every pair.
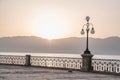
109,45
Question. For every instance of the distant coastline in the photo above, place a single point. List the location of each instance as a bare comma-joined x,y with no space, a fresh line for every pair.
73,45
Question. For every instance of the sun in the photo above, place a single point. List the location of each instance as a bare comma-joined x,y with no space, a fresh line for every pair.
50,27
48,31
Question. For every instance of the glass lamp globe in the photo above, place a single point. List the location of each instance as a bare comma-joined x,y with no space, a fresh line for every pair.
87,18
92,31
82,32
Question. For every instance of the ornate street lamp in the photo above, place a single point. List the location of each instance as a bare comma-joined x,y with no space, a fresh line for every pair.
87,56
87,31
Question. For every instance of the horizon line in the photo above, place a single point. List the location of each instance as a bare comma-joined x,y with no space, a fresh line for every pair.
58,38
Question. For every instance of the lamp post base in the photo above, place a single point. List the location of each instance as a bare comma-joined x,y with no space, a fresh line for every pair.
87,61
87,52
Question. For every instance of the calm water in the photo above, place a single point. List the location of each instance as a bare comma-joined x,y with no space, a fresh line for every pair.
60,55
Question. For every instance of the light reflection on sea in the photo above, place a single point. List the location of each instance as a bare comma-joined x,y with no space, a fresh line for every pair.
60,55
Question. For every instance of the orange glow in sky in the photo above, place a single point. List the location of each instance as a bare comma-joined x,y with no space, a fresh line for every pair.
50,26
52,19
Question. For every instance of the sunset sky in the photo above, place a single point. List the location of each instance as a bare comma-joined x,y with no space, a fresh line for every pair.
53,19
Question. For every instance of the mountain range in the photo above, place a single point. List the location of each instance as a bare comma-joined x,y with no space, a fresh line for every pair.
110,45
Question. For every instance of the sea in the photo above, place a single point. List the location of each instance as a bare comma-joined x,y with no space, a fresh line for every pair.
71,55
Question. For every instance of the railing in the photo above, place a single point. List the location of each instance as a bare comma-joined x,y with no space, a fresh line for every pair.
16,60
57,62
99,65
106,65
42,61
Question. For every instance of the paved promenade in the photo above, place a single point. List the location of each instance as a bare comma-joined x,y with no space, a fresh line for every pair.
35,73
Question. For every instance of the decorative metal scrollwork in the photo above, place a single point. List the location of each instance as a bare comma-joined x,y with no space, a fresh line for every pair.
106,65
56,62
18,60
103,65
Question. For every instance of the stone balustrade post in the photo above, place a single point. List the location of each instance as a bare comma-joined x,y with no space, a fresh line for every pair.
87,62
28,60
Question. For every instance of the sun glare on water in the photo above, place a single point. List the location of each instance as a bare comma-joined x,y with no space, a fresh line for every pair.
50,27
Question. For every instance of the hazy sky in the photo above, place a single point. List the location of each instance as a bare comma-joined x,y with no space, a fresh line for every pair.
58,18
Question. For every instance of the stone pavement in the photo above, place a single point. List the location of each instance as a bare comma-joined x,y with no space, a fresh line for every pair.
34,73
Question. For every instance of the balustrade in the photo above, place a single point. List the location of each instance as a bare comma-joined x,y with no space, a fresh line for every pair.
17,60
106,65
101,65
56,62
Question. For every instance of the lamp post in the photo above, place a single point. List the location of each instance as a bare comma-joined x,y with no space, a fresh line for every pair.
87,56
87,31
